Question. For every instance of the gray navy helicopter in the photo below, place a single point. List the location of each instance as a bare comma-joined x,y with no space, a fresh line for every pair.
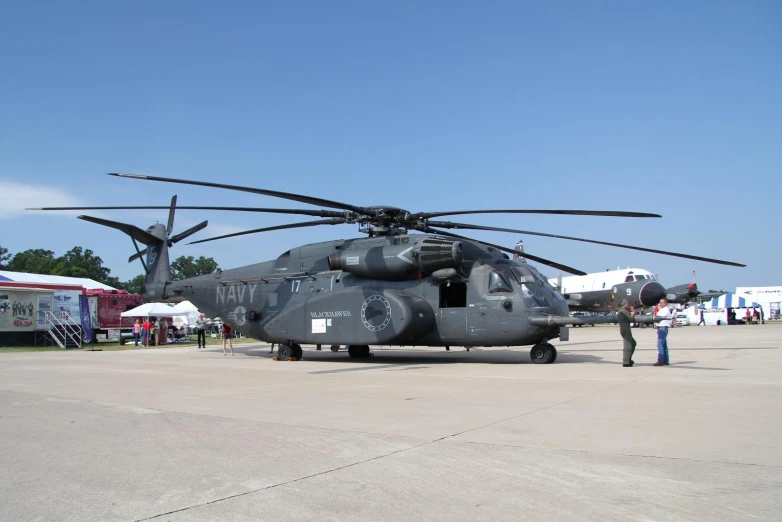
435,288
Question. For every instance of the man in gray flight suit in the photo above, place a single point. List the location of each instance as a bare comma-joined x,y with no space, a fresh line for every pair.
625,317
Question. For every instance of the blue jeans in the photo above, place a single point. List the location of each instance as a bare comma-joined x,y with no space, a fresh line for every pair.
662,344
136,337
145,337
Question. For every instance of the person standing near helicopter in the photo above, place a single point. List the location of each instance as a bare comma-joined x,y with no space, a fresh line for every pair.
668,315
201,323
227,334
625,317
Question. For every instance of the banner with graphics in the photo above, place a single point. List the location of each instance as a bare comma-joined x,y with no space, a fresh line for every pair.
84,313
44,306
66,305
17,311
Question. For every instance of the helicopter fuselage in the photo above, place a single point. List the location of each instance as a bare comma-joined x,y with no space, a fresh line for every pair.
416,290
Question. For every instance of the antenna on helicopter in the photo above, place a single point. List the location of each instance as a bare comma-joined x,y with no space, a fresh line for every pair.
520,249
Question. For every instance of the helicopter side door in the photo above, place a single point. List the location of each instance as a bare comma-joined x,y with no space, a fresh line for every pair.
478,308
451,314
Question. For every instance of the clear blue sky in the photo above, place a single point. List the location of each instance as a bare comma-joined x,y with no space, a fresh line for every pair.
669,107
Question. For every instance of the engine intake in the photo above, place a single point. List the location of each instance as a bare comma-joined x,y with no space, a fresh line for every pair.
399,262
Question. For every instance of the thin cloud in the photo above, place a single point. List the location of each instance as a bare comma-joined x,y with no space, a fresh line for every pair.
19,196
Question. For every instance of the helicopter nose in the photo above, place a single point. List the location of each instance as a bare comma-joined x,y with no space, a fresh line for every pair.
651,293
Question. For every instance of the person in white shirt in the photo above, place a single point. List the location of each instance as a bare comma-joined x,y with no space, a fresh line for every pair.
668,314
201,324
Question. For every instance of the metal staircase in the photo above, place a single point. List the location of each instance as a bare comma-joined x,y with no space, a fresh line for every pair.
63,330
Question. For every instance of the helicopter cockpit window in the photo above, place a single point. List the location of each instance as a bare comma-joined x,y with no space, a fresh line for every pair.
498,283
526,275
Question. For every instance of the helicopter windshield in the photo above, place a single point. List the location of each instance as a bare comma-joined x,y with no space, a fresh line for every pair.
498,283
531,285
525,274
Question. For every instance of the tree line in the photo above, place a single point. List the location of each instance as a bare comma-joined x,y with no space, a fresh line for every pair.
80,262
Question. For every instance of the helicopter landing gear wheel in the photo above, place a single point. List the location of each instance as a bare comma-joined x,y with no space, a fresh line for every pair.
543,353
358,351
334,347
287,351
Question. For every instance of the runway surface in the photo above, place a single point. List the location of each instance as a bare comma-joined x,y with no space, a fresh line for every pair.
188,434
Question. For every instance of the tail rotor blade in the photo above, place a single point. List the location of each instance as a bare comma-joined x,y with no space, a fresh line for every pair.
170,227
142,236
189,232
138,255
175,239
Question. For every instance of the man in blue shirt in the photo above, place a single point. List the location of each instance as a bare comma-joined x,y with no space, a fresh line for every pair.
668,314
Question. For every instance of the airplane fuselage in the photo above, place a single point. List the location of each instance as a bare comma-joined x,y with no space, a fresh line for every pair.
604,291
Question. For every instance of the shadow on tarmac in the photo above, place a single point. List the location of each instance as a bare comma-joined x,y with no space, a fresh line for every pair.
401,360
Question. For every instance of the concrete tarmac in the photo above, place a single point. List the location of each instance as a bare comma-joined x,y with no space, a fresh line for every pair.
188,434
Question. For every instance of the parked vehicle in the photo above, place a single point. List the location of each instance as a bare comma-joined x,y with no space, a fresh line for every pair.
105,309
682,320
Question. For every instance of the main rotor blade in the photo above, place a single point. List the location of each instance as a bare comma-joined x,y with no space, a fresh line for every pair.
448,224
274,193
610,213
525,254
338,221
301,212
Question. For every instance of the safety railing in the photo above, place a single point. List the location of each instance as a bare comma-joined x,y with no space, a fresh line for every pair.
63,330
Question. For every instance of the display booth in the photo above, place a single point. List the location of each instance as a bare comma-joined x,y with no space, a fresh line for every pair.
156,310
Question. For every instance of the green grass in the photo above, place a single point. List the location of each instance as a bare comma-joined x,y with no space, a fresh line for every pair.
109,346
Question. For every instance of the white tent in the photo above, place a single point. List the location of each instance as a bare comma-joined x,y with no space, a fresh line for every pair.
190,318
19,277
154,310
731,300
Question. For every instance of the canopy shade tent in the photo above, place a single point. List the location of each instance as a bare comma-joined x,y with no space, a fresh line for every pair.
189,318
731,300
154,310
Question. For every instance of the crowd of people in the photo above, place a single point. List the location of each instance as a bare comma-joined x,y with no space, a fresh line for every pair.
155,332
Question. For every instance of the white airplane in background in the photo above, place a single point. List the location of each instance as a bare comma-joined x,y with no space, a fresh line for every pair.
603,291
